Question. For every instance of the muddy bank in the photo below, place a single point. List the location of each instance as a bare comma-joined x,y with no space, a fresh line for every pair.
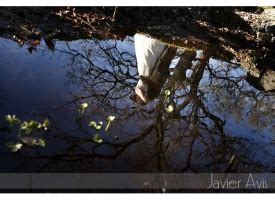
224,33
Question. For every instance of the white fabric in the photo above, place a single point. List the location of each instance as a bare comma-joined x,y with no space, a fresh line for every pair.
148,51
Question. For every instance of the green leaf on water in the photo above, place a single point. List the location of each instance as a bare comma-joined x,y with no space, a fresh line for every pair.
82,108
11,119
170,109
29,126
24,125
97,138
33,124
92,124
111,118
41,142
14,147
44,125
84,105
95,125
167,92
99,125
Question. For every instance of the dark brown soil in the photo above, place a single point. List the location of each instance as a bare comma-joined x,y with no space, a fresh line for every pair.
223,32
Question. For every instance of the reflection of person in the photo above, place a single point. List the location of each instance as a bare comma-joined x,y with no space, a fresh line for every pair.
153,61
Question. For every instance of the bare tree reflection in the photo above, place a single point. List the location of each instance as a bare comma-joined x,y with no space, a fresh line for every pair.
207,95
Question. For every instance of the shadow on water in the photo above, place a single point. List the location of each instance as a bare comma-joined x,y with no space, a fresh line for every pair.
216,121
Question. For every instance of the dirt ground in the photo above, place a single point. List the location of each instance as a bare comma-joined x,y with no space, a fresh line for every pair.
247,34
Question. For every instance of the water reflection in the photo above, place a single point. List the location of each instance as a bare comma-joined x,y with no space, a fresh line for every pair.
219,122
153,61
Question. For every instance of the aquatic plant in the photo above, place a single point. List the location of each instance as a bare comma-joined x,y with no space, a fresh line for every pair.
31,141
14,147
44,125
32,124
97,138
109,119
11,119
82,108
170,109
26,127
92,124
41,142
95,125
167,93
98,127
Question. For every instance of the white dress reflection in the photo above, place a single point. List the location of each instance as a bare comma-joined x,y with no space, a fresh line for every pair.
153,61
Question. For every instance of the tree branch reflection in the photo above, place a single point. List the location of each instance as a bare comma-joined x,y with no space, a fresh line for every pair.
195,137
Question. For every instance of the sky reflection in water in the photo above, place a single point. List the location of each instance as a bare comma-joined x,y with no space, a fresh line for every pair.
217,114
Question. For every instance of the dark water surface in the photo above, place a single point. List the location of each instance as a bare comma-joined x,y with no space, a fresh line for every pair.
220,123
